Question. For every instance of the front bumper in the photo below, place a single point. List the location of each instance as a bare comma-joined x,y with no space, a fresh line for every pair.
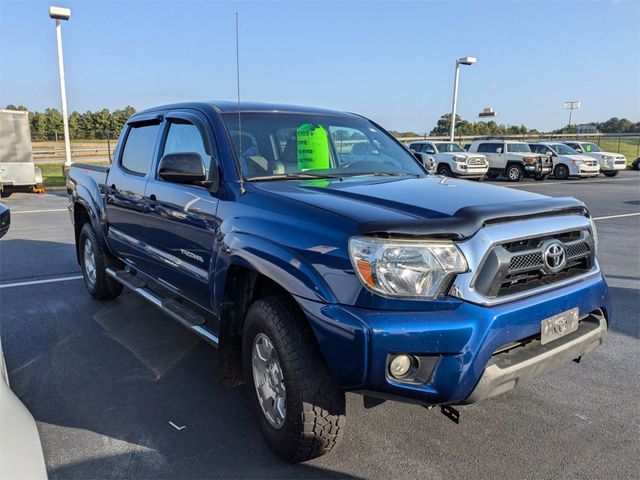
463,338
535,169
467,170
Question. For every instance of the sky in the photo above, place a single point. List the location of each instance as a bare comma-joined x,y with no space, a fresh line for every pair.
390,61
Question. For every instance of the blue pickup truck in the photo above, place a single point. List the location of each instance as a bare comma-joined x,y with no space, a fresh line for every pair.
320,257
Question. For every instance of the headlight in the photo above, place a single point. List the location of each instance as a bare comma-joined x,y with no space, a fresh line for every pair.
405,268
577,162
607,157
528,160
458,158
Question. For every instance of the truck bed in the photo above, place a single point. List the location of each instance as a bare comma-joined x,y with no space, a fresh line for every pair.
97,172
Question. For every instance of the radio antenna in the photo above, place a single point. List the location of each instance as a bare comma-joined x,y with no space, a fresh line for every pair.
238,89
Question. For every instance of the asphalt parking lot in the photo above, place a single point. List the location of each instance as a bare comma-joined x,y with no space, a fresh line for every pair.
105,381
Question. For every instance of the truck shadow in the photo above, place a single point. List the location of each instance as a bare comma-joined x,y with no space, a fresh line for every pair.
105,379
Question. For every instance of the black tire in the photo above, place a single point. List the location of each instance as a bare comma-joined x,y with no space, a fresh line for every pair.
610,173
315,407
100,285
444,169
514,172
540,177
492,175
561,172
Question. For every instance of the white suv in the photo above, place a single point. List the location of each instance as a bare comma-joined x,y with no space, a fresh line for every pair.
449,159
512,159
610,163
566,161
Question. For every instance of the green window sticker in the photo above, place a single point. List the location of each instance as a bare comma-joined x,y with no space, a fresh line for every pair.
313,147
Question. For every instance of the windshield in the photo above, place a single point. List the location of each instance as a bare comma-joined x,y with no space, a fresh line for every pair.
518,147
273,145
445,147
562,149
591,147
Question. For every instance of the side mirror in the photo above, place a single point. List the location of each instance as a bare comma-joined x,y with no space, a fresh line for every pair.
499,150
187,168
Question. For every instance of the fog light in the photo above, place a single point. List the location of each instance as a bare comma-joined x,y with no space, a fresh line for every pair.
400,366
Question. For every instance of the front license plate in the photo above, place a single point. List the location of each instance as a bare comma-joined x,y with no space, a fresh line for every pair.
559,325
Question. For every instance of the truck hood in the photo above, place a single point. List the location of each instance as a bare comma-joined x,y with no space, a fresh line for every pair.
417,206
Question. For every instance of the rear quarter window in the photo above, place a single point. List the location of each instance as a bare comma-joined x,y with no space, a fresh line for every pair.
137,154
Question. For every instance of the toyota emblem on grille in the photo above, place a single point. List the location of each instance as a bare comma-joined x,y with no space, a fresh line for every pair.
555,257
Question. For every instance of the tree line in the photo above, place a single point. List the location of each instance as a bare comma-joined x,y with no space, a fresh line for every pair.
104,123
100,124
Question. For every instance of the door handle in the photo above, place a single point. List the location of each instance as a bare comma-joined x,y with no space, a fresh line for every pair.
153,201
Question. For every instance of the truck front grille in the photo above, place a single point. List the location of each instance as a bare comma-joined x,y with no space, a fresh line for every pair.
518,266
476,161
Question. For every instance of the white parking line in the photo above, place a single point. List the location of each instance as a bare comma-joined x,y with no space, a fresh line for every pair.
39,282
617,216
13,212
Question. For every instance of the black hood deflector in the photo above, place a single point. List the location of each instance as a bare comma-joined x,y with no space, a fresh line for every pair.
465,222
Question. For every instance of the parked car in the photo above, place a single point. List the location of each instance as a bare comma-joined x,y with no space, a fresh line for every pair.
512,159
5,220
567,162
450,160
635,165
21,453
610,163
466,147
316,274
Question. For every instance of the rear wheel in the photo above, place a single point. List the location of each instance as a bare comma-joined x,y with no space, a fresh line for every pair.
610,173
561,172
300,410
94,262
514,172
444,169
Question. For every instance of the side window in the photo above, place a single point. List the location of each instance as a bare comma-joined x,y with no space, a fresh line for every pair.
489,147
416,147
137,155
184,137
535,148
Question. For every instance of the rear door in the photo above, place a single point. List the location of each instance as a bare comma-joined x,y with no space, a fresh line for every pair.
181,221
124,193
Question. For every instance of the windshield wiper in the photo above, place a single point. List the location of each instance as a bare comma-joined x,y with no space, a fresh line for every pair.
292,176
383,174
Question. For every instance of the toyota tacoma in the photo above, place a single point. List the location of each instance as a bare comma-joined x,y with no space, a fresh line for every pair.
319,256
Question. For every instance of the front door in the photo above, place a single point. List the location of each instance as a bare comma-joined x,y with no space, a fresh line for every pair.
181,222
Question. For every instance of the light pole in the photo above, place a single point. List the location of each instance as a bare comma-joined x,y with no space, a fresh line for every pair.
460,61
58,14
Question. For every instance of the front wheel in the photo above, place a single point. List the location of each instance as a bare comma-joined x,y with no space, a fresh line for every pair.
444,169
610,173
300,410
561,172
515,173
94,262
